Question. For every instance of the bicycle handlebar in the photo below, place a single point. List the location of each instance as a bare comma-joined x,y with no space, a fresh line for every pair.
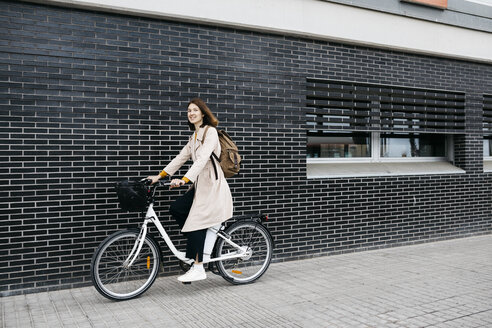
158,183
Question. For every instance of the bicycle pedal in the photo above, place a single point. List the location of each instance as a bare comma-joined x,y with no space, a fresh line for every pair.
212,268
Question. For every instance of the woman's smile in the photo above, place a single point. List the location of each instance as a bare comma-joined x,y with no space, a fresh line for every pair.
195,115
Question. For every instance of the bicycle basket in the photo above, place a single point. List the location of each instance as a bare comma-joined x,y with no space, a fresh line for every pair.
132,195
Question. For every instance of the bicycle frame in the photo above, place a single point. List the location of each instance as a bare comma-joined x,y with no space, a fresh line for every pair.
151,216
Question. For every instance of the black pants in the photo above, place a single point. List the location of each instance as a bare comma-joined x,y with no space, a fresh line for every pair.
179,210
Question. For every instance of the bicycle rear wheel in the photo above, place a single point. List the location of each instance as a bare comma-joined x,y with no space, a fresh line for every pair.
256,241
117,281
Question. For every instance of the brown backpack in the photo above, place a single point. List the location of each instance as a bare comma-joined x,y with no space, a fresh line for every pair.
229,159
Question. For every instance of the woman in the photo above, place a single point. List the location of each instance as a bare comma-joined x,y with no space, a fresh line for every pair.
208,203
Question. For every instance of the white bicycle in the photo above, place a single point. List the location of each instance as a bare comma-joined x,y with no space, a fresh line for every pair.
127,262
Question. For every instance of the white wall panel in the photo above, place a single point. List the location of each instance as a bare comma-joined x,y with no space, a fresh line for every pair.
316,19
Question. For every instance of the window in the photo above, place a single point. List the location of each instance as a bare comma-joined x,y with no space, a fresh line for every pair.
339,145
413,145
366,123
487,147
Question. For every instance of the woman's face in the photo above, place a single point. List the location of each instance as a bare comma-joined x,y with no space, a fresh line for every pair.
195,115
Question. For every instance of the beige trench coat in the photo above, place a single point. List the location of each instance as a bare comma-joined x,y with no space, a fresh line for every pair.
212,203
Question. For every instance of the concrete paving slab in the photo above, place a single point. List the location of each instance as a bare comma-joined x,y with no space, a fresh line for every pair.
440,284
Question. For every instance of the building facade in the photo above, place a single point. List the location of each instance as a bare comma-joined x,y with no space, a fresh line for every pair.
352,140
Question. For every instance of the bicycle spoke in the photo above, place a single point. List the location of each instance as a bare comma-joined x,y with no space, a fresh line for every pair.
114,278
122,282
253,264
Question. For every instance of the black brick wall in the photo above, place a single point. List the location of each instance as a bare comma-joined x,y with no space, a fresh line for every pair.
90,98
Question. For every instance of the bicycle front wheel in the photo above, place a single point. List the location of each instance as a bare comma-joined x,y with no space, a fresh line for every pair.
110,272
253,239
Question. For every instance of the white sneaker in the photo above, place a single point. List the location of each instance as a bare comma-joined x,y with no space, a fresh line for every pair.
196,272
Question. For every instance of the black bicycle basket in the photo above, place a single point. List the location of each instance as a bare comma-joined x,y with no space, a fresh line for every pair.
132,195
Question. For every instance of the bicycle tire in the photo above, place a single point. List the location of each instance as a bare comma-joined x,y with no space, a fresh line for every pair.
112,279
254,237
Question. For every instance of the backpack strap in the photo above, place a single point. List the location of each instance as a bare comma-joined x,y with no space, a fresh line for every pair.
215,167
205,133
213,154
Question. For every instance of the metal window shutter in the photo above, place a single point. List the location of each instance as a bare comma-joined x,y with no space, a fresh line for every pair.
487,114
350,106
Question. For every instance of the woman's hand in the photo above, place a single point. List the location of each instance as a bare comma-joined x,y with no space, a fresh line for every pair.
175,183
154,178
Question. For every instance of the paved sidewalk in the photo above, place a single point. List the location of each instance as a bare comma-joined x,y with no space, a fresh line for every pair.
442,284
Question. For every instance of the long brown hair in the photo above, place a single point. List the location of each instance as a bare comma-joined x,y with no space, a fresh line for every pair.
208,118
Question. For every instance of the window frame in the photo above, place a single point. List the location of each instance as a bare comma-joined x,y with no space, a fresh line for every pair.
377,158
486,158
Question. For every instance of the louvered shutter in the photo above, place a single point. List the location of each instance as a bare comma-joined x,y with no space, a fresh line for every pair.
424,111
487,114
338,106
350,106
